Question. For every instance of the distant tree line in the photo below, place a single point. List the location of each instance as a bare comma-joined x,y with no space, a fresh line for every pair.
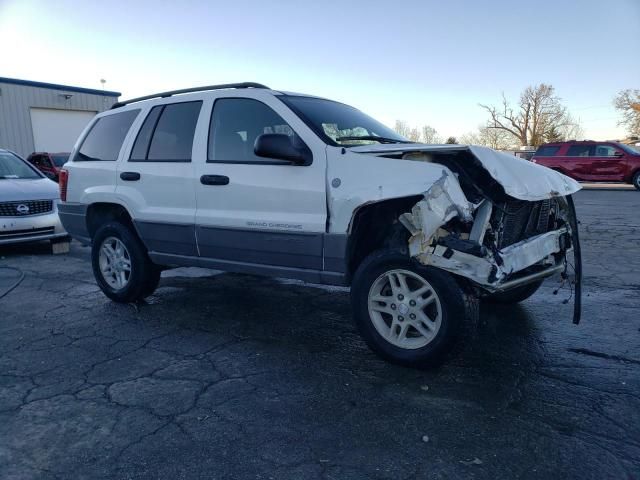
536,118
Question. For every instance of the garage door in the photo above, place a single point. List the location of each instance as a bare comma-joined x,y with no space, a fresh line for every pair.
57,130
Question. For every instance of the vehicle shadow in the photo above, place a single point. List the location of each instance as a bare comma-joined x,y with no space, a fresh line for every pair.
295,319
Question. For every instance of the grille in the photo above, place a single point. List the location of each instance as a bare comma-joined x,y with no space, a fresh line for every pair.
522,220
23,209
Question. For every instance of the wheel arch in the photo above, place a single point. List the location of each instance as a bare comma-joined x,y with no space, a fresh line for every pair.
99,213
375,225
634,172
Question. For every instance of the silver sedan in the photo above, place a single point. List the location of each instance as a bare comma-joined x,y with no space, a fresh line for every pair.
28,203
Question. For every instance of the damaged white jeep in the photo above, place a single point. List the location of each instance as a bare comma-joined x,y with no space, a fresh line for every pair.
247,179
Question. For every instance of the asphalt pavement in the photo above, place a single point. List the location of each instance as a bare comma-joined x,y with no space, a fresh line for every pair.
225,376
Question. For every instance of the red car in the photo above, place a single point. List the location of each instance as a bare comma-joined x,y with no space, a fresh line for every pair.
48,163
590,161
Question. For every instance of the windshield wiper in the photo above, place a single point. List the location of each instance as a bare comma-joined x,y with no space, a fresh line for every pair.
372,137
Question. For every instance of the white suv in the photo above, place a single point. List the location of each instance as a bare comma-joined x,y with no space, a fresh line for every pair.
247,179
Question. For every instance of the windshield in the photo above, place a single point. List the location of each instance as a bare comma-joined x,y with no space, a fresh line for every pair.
629,148
13,167
340,124
60,159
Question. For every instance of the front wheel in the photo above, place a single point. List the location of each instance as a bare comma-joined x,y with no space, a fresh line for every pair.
121,265
407,313
636,180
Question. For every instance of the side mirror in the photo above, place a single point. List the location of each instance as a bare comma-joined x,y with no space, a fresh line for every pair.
618,154
281,147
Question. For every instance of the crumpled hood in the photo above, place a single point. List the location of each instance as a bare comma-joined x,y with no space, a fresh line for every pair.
520,178
18,190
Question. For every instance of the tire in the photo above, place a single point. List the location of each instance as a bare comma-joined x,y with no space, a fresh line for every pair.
515,295
122,248
636,180
383,325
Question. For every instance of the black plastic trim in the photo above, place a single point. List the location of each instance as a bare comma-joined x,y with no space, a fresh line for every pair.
191,90
306,275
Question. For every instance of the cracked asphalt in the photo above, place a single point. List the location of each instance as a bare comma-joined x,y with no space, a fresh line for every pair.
231,377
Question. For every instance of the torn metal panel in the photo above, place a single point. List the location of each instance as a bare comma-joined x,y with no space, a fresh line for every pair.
487,271
443,201
528,252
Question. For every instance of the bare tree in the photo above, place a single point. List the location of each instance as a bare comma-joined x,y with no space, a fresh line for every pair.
430,135
537,113
471,138
496,138
402,128
426,134
627,102
489,137
414,135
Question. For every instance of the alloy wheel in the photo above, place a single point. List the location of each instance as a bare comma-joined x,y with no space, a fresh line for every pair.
115,263
405,309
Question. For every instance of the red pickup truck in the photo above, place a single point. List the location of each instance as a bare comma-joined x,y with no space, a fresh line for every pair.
591,161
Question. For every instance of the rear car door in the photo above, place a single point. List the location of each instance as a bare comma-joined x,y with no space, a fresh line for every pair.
263,211
578,162
156,179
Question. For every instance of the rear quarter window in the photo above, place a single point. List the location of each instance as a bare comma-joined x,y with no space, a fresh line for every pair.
547,151
104,140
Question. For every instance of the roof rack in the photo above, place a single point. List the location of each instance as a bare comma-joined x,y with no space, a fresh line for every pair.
190,90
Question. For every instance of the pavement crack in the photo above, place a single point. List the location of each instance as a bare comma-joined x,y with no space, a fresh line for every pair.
606,356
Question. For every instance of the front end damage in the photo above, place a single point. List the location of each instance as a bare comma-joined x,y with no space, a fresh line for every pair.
474,226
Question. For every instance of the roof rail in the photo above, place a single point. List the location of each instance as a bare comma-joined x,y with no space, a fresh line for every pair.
190,90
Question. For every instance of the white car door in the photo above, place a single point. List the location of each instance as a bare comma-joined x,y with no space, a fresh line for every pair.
254,213
156,178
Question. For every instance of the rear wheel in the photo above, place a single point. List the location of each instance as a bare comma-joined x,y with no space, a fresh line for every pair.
636,180
407,313
121,265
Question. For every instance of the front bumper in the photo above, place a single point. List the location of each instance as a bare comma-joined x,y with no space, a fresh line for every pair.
31,228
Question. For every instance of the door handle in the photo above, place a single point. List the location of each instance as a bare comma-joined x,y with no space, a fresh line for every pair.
214,180
130,176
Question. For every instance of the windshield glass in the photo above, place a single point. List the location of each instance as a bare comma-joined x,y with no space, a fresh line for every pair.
334,121
60,159
13,167
629,148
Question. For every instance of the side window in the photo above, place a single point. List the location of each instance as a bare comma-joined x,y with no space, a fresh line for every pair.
167,133
605,151
141,145
235,125
580,151
104,140
548,151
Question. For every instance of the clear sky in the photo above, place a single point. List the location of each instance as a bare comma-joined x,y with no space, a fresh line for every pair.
423,61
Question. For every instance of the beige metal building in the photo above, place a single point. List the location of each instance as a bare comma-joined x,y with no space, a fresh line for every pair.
44,117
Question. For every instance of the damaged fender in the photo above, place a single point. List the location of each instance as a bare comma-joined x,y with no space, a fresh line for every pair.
442,202
491,269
